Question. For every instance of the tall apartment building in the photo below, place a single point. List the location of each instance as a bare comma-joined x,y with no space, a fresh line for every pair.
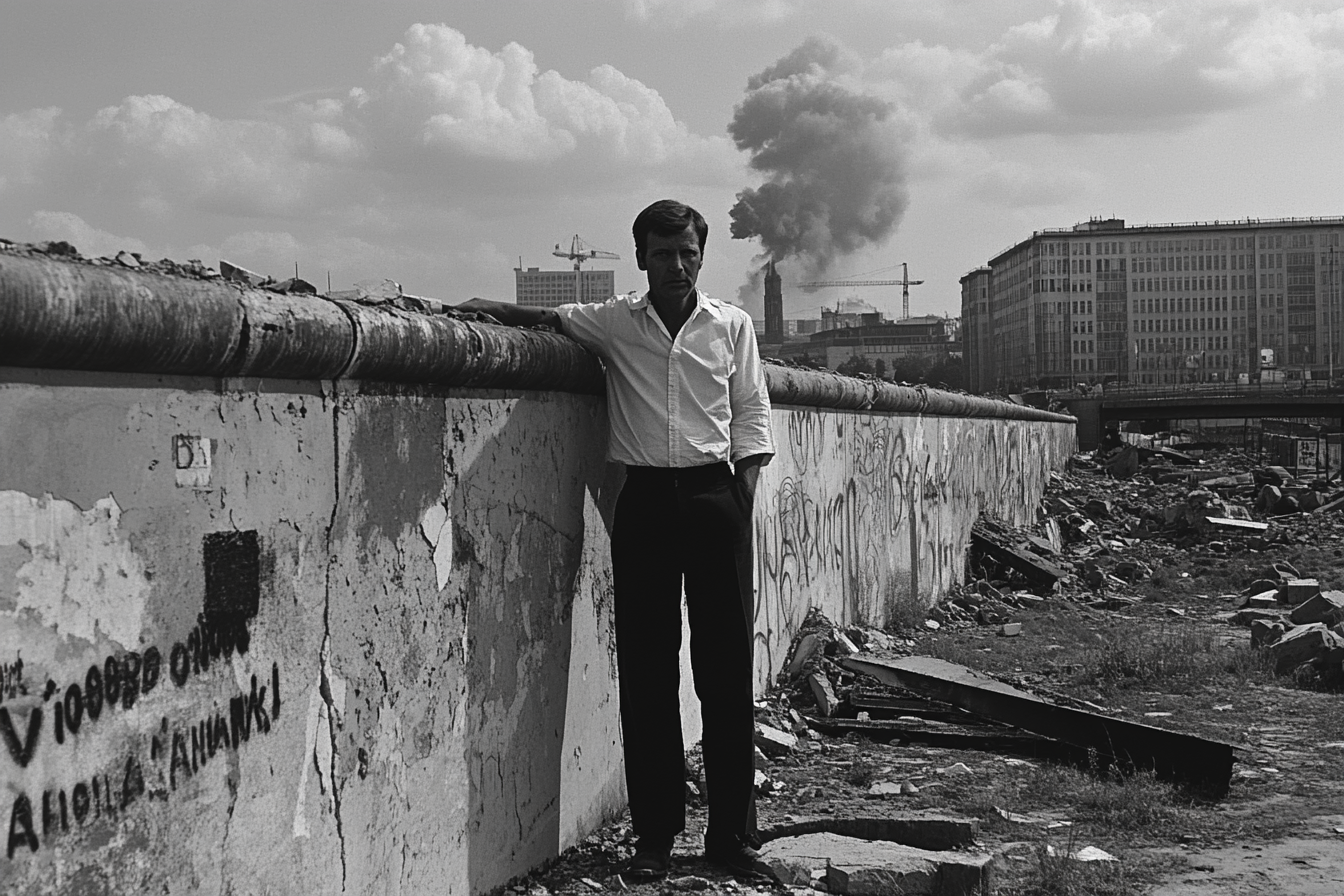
1157,304
550,289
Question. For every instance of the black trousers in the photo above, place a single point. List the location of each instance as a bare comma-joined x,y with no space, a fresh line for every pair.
691,525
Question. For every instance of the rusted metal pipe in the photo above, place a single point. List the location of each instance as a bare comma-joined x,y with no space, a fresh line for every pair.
58,313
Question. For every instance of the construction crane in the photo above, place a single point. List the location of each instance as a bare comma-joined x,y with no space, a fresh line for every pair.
904,283
579,252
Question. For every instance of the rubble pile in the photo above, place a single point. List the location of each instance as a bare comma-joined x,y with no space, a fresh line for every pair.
1121,524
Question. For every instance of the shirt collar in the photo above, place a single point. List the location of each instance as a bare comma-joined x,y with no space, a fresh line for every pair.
642,301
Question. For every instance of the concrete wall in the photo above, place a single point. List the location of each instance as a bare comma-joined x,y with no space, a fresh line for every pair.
332,634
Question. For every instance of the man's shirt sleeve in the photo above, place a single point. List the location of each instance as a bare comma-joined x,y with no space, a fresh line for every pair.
584,324
749,397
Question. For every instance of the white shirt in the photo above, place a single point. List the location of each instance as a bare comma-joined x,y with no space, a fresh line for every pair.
697,399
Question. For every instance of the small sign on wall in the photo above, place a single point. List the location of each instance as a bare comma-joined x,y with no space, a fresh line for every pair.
192,457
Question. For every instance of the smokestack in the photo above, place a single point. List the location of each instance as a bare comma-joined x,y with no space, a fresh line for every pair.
774,306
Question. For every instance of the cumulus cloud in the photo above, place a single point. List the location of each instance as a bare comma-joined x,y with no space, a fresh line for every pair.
439,98
1105,66
166,155
436,116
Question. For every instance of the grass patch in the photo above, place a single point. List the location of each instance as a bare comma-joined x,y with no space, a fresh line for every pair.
861,773
1044,874
1176,656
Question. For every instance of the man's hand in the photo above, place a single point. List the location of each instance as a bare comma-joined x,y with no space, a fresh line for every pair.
748,470
511,315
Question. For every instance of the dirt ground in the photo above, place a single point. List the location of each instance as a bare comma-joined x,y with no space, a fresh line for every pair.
1157,648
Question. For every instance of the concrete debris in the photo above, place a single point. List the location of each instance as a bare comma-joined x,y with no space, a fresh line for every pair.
823,693
1325,606
1305,644
862,867
239,274
1037,820
1082,854
921,828
1171,755
773,742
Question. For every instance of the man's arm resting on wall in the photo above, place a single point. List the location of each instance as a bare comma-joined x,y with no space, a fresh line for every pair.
512,315
748,470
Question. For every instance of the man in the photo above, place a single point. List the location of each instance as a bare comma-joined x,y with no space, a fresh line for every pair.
689,416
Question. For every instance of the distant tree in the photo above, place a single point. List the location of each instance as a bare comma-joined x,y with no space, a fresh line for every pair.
947,372
855,365
880,368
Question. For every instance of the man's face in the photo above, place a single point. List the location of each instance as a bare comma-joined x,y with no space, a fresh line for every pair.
672,264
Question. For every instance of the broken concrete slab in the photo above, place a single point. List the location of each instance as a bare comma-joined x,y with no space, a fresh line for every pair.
855,867
1331,506
807,645
1233,526
1266,600
774,742
1037,570
1327,607
823,693
1296,591
920,828
1301,645
1171,755
1249,615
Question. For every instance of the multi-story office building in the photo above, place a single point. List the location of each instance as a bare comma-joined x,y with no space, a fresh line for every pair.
550,289
976,332
1157,304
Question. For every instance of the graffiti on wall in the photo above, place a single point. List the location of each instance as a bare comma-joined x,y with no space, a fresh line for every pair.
865,513
156,766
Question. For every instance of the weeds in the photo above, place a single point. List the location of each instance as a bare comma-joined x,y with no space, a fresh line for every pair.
1146,657
861,773
1053,872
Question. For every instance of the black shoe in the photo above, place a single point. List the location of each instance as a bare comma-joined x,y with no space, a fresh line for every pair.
740,860
651,860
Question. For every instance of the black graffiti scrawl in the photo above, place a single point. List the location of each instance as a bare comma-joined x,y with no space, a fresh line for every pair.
232,599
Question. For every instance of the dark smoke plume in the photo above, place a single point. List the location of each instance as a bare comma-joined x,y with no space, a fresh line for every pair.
834,160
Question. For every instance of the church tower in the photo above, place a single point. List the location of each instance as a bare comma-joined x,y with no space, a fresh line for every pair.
774,306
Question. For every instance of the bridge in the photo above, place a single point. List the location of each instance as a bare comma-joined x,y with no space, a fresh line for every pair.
1202,402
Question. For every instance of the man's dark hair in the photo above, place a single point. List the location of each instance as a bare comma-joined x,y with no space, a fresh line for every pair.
667,217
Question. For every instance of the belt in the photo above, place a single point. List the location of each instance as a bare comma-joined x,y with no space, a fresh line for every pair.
695,477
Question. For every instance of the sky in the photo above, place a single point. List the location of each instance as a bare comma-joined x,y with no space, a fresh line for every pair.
438,143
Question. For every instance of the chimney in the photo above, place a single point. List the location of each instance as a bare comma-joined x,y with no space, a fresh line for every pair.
774,306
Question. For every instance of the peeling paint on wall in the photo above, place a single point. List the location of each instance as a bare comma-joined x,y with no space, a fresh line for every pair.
80,578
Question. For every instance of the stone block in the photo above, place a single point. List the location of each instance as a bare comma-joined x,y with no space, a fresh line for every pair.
1264,632
1296,591
823,693
774,742
920,828
1264,601
855,867
1302,644
1327,607
1251,614
807,645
